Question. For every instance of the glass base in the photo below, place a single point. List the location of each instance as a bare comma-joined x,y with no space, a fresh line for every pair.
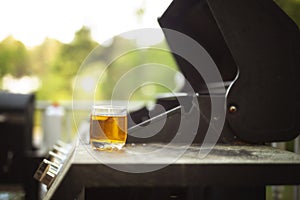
102,146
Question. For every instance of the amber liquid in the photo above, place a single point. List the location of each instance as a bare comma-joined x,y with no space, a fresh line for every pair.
108,132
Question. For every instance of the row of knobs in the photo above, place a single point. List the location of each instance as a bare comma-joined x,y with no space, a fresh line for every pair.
52,164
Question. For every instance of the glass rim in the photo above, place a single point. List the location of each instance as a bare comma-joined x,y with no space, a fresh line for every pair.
109,106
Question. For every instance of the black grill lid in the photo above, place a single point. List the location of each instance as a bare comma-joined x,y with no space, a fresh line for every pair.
195,19
254,43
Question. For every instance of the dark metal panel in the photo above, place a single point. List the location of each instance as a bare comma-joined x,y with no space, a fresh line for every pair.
263,43
195,19
262,40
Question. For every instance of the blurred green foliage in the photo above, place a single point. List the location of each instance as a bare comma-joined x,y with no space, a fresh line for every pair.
14,58
57,64
106,67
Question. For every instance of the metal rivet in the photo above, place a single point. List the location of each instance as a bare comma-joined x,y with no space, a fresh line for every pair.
232,109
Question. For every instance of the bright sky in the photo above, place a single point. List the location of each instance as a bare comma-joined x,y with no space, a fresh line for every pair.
30,21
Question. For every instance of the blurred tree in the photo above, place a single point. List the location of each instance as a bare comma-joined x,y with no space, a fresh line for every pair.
72,55
61,70
113,69
14,58
123,56
43,56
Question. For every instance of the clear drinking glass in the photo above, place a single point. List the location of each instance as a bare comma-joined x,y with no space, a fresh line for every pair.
108,127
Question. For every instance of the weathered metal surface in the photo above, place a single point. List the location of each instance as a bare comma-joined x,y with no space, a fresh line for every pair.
220,154
235,165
